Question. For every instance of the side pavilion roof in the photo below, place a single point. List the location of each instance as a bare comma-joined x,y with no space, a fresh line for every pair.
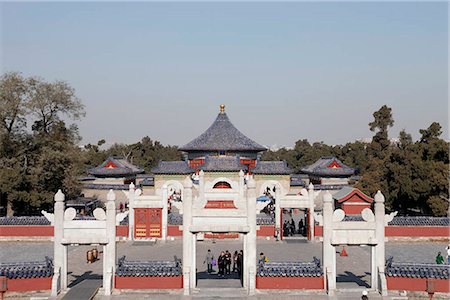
115,167
329,166
222,136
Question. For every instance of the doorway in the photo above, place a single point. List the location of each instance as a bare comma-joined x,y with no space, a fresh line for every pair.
294,223
232,275
353,267
83,278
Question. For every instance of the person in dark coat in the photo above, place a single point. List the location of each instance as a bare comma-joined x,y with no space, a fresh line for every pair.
235,263
221,263
227,262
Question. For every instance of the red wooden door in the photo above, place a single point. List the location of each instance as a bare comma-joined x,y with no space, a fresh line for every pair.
148,222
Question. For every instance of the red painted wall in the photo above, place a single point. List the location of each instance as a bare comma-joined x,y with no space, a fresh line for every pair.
416,284
406,231
266,230
29,284
318,230
174,230
122,230
417,231
289,283
37,230
353,209
151,282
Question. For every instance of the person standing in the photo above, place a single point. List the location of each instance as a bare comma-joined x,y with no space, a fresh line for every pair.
235,257
221,263
261,260
448,254
227,262
439,258
208,260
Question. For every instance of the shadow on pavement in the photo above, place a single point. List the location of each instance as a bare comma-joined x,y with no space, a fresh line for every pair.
350,277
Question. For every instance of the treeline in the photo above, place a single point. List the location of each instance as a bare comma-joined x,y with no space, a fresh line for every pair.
40,153
39,150
412,175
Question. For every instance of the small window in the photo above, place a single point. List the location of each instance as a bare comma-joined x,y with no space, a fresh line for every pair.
222,152
222,185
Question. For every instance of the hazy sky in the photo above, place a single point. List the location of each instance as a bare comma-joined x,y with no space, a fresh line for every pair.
286,71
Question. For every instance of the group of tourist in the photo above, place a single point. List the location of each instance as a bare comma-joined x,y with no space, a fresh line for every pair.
226,262
289,228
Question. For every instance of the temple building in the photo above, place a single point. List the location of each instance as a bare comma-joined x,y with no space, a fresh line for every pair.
114,173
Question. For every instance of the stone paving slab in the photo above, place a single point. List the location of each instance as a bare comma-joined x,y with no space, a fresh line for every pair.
355,265
85,290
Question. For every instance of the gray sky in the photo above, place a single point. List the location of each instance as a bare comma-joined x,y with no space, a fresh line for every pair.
286,71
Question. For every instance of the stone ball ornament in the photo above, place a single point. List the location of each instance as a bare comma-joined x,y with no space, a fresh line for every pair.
70,214
99,214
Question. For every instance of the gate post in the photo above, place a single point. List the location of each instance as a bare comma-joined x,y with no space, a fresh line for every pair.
131,212
311,211
110,248
187,236
60,260
278,225
329,254
251,236
165,196
379,247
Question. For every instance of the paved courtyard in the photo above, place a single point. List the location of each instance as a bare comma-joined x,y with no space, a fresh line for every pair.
353,270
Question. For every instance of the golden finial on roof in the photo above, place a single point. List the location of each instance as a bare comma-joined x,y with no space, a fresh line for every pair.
222,108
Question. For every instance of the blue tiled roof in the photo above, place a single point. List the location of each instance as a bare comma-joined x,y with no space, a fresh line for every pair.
116,187
26,220
32,269
123,168
416,270
296,180
148,268
321,168
172,167
222,164
271,167
222,136
291,269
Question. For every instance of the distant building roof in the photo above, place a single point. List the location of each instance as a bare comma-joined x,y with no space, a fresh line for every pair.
115,167
272,167
347,192
222,164
172,167
222,136
329,166
296,180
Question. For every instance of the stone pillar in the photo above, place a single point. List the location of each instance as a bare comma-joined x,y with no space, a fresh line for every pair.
379,251
329,255
201,185
278,225
131,212
165,196
241,185
193,279
187,236
60,260
311,210
110,255
251,236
